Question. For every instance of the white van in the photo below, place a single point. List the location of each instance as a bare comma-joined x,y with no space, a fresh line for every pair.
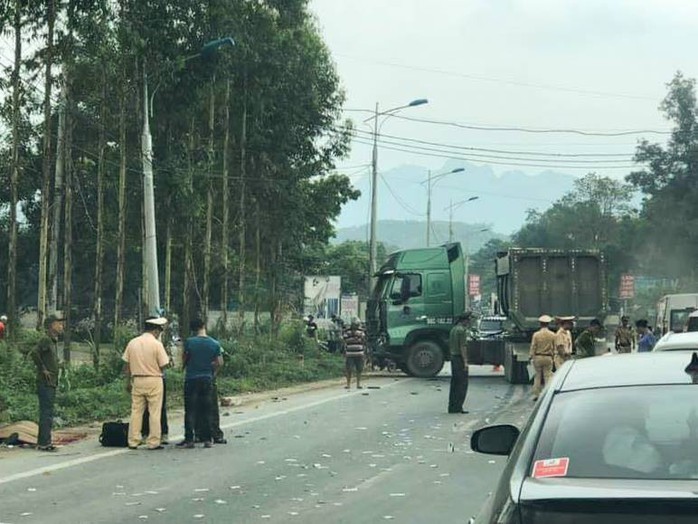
673,311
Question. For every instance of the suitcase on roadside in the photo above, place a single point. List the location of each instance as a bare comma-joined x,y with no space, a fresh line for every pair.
114,435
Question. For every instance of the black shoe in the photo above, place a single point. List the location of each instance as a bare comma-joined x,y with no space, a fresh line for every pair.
220,440
208,444
156,448
186,444
458,412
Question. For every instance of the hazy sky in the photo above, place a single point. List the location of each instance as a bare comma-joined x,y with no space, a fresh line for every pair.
592,65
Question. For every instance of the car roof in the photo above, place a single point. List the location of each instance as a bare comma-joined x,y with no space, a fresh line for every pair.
633,369
677,341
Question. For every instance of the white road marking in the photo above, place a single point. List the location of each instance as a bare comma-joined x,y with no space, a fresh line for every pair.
99,456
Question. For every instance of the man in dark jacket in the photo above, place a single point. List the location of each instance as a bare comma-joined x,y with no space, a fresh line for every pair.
45,356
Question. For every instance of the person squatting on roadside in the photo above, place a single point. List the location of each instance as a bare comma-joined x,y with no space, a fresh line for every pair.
542,352
201,359
458,346
563,341
45,356
585,345
354,342
145,359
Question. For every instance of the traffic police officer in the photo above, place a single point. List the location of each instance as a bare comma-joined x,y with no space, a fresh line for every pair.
625,337
563,341
458,345
542,352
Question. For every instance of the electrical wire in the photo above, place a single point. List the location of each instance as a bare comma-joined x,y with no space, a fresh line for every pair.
455,156
401,202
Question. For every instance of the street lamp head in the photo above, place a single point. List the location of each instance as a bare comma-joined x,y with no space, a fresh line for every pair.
458,170
214,45
418,102
473,198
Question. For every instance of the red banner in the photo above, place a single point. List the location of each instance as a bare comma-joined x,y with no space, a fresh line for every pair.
473,285
627,287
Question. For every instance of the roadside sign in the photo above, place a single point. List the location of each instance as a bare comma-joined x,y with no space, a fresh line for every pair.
473,285
627,287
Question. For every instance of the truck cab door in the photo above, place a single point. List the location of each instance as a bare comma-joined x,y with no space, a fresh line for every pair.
438,300
406,301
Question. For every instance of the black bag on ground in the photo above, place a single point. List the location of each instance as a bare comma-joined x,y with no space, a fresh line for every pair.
114,435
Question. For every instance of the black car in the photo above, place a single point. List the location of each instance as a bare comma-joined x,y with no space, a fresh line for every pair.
613,439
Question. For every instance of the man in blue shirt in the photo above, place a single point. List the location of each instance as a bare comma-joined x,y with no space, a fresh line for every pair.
647,338
202,357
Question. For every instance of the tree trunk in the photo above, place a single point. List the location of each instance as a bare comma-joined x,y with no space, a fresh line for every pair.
14,174
68,223
168,267
46,167
226,210
121,243
99,257
209,203
258,265
241,235
188,246
57,203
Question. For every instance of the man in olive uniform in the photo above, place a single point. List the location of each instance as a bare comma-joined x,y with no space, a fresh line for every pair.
458,345
563,341
625,337
542,352
45,356
354,341
585,345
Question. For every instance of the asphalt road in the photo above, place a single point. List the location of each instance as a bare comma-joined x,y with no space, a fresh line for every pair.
391,453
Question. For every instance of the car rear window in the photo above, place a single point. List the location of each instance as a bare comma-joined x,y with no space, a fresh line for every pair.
647,432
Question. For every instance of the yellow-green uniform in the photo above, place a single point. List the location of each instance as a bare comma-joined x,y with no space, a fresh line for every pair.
458,346
585,345
563,347
542,352
624,339
45,356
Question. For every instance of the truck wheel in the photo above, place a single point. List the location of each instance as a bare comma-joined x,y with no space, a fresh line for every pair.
425,359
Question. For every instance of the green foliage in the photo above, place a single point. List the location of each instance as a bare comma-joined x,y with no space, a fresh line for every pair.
252,363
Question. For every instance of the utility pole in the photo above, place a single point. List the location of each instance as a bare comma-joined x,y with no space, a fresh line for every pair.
429,208
373,249
150,255
450,222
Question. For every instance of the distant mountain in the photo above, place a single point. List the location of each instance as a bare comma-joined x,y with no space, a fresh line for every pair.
408,234
503,199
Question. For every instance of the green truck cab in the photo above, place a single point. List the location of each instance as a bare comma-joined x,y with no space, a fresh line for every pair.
417,294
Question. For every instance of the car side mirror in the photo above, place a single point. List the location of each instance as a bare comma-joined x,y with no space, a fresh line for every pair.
495,440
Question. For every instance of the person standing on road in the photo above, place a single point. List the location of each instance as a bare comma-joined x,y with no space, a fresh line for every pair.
145,359
458,346
164,426
3,326
625,338
563,341
354,342
585,345
542,352
201,358
647,338
45,356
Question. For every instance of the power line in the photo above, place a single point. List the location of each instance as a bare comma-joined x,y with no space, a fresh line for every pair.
519,129
401,202
436,153
369,134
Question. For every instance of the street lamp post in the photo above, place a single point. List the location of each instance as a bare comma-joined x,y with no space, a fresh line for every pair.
373,245
150,255
452,208
430,183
